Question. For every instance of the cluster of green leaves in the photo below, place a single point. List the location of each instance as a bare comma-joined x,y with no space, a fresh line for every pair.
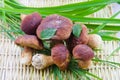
77,12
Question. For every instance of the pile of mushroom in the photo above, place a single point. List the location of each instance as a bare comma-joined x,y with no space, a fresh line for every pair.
80,48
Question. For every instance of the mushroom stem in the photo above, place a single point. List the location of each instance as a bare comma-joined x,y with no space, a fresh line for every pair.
41,61
84,64
22,16
49,60
26,56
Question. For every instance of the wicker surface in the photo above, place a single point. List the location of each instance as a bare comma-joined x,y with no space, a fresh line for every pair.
11,69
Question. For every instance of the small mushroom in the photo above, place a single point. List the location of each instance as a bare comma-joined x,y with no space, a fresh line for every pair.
30,23
94,41
41,61
29,41
72,41
26,56
83,54
62,24
59,56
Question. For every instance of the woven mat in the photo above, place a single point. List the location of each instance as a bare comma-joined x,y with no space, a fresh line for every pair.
11,69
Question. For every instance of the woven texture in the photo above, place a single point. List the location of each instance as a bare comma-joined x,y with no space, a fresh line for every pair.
11,69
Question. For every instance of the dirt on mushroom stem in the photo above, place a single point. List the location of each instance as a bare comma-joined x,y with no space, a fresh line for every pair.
41,61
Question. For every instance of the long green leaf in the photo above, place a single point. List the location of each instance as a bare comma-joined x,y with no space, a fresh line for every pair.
89,10
74,18
103,25
74,6
113,52
107,27
109,38
105,61
93,20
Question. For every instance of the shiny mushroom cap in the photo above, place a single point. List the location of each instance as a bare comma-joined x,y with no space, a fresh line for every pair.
83,52
30,23
62,24
60,56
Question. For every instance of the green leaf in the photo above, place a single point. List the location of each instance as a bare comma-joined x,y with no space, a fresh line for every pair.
107,27
90,19
57,73
47,33
108,37
73,6
103,25
77,30
105,61
114,51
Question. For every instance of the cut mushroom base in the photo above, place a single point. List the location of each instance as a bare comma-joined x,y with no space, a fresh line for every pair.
41,61
62,24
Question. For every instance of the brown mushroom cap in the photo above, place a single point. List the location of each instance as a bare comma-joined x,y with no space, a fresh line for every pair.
62,24
60,56
29,41
83,52
30,23
72,41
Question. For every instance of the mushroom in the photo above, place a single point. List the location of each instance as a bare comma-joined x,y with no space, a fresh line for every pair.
30,23
72,41
94,41
83,54
26,56
62,24
59,56
29,41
